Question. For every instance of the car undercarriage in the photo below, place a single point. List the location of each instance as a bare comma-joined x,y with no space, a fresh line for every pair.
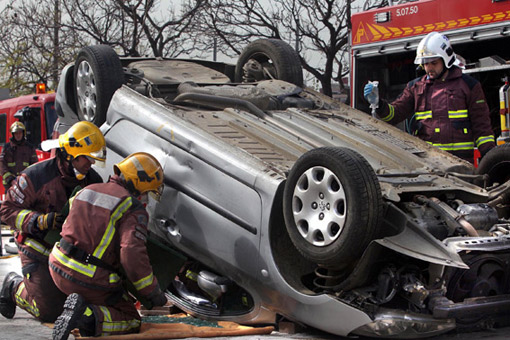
284,202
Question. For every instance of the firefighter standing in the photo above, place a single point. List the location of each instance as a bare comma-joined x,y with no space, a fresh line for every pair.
107,229
32,207
16,155
447,108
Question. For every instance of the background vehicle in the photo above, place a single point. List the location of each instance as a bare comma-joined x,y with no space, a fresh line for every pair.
37,112
281,201
384,43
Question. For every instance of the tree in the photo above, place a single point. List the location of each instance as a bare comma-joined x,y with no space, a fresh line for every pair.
135,27
33,48
40,37
165,35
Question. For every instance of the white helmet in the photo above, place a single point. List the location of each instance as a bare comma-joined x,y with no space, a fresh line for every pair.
436,45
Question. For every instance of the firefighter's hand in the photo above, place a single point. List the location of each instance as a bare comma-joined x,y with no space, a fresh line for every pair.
50,221
159,300
368,89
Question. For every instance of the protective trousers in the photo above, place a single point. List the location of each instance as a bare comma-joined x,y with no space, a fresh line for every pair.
112,317
37,294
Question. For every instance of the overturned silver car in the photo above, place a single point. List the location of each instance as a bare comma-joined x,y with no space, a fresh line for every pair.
281,202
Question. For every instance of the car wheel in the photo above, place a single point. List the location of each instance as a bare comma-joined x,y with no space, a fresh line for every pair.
332,205
266,59
496,164
97,75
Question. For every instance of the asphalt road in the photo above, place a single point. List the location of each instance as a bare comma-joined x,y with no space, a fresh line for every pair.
24,326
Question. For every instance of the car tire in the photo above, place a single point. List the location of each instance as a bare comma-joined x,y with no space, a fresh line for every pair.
275,56
337,190
97,75
496,164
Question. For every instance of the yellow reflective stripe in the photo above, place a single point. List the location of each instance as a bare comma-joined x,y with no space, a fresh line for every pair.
390,115
120,326
455,146
458,114
437,130
144,282
114,278
39,247
10,165
423,115
85,269
106,314
484,139
31,308
110,230
109,326
26,164
20,218
88,312
71,200
7,174
88,269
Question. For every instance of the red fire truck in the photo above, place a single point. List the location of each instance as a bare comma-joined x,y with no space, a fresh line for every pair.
36,111
384,43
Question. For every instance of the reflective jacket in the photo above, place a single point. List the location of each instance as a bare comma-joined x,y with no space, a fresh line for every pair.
107,223
15,157
451,114
41,188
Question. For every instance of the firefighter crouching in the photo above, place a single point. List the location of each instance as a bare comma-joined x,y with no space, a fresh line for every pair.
16,155
107,229
32,207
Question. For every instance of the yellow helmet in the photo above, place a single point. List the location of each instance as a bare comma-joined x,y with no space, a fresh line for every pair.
83,139
18,126
142,173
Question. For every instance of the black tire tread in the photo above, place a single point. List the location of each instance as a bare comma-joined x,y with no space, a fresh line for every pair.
108,73
496,163
285,59
365,207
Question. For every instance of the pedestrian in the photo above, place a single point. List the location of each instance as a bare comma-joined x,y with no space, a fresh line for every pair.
17,154
106,230
446,108
32,207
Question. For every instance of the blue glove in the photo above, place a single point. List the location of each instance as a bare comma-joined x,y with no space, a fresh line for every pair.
368,89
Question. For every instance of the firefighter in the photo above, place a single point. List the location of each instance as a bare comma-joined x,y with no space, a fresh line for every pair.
16,155
105,231
445,107
33,206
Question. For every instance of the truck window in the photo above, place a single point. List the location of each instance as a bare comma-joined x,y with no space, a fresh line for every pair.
51,117
3,128
33,126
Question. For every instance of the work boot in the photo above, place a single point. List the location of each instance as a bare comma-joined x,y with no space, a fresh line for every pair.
7,303
67,321
87,324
